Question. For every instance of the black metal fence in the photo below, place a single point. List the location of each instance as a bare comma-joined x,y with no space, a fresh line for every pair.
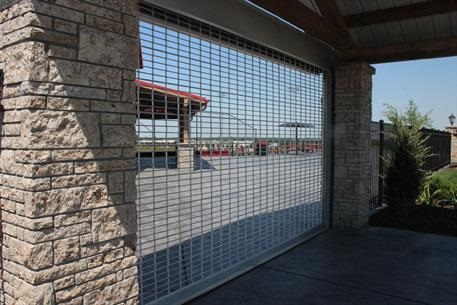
440,146
440,150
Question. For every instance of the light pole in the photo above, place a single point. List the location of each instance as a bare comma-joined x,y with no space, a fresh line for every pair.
296,125
243,122
452,119
223,95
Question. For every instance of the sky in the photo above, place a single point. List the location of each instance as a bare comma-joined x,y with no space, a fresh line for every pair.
432,84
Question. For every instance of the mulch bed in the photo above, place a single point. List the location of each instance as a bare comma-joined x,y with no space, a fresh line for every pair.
426,219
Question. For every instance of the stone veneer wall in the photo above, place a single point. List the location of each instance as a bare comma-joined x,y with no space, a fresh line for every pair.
352,173
453,131
67,151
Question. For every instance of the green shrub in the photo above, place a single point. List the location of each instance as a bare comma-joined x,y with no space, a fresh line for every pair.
405,174
433,190
436,189
429,195
451,197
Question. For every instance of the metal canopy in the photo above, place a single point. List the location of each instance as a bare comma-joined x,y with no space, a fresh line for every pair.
296,125
159,102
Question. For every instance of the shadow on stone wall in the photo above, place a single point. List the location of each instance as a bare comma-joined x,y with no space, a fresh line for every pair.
2,113
68,157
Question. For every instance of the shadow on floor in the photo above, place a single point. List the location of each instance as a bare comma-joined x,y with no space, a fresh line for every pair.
182,264
376,266
172,163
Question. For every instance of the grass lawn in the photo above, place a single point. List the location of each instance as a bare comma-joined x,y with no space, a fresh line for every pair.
448,174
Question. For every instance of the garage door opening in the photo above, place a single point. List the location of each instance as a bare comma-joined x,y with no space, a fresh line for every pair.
230,154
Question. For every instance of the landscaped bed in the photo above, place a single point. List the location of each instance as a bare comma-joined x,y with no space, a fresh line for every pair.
431,215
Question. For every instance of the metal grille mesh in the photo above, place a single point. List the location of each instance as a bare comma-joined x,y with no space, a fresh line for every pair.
230,151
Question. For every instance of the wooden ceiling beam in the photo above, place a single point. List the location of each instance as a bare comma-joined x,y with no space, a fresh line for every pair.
408,51
330,12
300,15
399,13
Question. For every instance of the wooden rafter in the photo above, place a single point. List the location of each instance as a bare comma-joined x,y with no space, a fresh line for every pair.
330,11
399,13
409,51
303,17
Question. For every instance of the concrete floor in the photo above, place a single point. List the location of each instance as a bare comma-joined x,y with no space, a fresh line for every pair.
375,266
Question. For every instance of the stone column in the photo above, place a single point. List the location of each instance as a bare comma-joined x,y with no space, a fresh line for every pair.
453,131
67,151
185,149
352,110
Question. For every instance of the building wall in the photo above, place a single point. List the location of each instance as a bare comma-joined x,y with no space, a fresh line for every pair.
67,151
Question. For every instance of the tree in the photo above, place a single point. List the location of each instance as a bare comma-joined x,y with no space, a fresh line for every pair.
405,173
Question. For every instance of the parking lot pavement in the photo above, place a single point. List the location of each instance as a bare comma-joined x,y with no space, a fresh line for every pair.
221,214
179,204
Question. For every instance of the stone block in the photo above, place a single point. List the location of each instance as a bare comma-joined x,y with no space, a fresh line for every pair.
65,200
73,292
77,180
116,182
102,166
35,257
33,224
66,250
72,218
26,19
38,34
29,60
62,52
101,247
26,294
104,24
77,73
118,49
110,118
128,7
65,26
110,294
111,13
28,88
85,154
58,11
60,103
64,282
118,135
68,129
131,25
113,222
105,106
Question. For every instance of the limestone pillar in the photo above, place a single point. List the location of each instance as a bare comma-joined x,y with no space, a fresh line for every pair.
453,131
67,151
185,156
352,112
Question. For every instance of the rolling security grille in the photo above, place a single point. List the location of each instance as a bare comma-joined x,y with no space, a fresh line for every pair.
230,151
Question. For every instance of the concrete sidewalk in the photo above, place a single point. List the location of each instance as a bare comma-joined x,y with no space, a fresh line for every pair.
375,266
